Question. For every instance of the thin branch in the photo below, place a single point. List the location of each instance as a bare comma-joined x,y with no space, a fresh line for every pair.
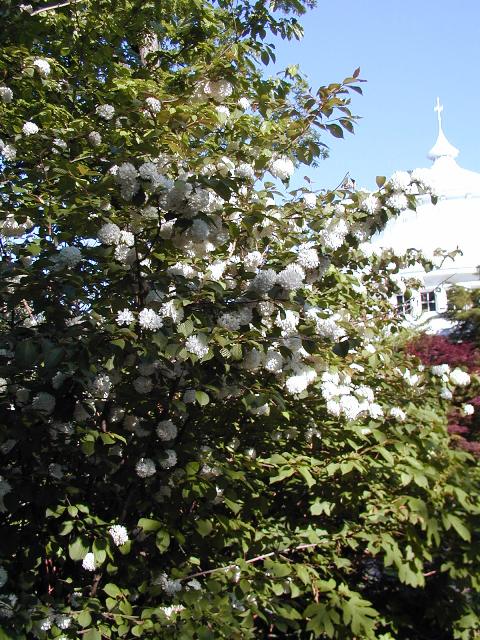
300,547
51,6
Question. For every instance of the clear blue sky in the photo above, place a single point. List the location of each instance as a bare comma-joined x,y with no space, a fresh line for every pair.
409,52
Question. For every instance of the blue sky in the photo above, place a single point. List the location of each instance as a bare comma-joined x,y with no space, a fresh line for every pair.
409,52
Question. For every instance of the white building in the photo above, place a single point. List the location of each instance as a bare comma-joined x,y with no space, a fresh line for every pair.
453,223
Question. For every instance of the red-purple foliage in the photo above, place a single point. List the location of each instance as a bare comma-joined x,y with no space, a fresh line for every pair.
432,350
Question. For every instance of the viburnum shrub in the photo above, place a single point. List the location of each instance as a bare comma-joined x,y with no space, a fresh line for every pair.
207,429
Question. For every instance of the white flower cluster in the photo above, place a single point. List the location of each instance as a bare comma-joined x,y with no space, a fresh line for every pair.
67,257
101,386
119,534
150,319
166,430
6,95
327,328
153,104
468,409
346,399
145,468
218,90
126,177
281,168
371,204
232,321
252,261
400,181
398,414
11,229
170,586
143,385
172,310
105,111
397,201
302,378
170,461
307,256
459,378
197,344
94,138
42,66
125,316
172,609
334,233
8,151
88,563
30,128
291,278
264,280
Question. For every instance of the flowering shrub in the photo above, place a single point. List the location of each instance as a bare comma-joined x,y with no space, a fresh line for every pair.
206,429
441,353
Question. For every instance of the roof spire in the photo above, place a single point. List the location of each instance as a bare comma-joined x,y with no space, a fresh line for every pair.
439,108
442,147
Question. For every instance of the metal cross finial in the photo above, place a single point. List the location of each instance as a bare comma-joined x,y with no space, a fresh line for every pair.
439,108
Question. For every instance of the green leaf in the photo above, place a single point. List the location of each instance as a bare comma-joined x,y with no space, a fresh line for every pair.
112,590
204,527
92,634
84,619
78,549
149,525
162,540
202,398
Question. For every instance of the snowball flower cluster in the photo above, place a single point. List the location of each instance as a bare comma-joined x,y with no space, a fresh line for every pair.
145,468
101,386
166,430
398,201
459,378
88,563
303,377
244,103
105,111
42,66
67,257
154,104
150,319
170,461
281,168
398,414
308,257
291,277
370,204
8,151
171,587
252,261
30,129
94,138
119,534
143,385
197,344
6,95
400,180
218,89
125,316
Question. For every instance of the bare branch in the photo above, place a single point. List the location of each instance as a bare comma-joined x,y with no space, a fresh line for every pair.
51,6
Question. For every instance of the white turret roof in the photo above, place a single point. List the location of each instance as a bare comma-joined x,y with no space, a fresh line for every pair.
453,222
